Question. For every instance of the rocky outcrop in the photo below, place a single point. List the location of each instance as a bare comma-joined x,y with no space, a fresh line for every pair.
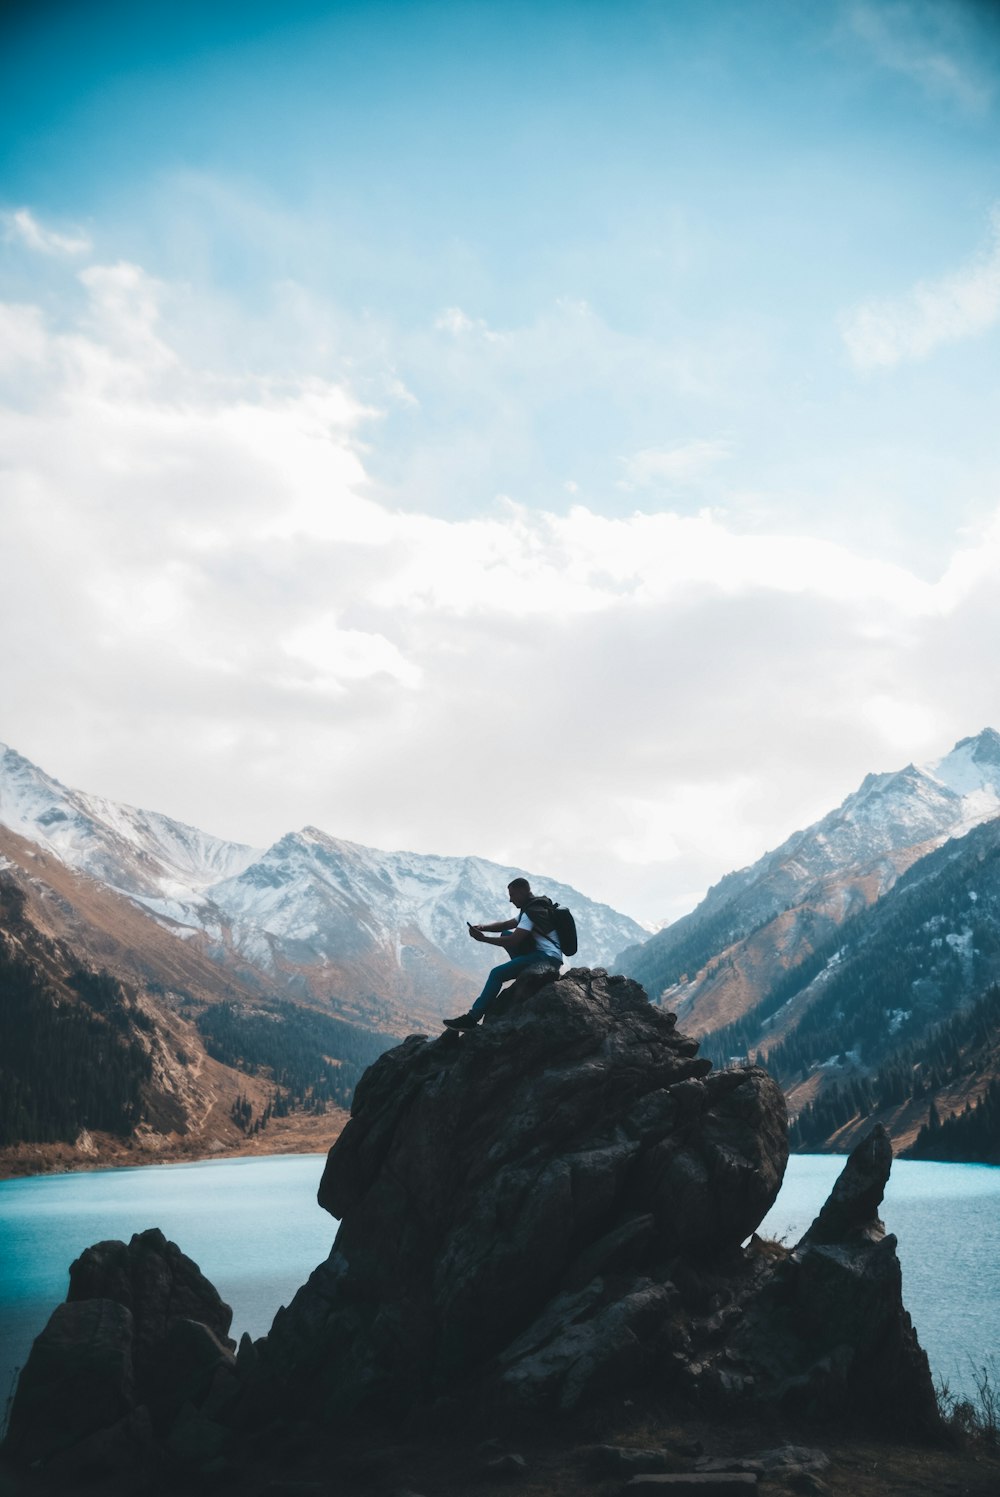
512,1200
825,1329
139,1350
534,1214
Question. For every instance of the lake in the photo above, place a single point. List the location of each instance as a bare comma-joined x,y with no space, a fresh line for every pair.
254,1228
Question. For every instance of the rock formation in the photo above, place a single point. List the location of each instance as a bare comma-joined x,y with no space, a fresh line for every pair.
533,1214
823,1328
518,1193
138,1351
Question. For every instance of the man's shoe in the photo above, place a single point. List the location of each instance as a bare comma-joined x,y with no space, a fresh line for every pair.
464,1021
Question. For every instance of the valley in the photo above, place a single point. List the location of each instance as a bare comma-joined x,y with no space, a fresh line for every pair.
238,994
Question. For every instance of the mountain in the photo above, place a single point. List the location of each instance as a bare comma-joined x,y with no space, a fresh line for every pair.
758,925
120,1043
337,921
897,1017
139,852
169,994
377,937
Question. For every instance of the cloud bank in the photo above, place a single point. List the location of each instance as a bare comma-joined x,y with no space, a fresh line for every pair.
211,609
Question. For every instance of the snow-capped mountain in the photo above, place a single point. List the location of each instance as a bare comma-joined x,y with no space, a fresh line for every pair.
313,916
900,1005
972,771
121,1044
759,922
317,902
139,852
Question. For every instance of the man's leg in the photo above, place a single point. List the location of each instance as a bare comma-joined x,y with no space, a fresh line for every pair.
494,982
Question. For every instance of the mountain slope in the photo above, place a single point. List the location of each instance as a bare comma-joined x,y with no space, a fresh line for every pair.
757,925
899,1009
339,921
139,852
107,929
121,1043
377,937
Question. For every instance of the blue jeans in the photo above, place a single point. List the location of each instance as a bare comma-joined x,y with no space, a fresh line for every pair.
502,974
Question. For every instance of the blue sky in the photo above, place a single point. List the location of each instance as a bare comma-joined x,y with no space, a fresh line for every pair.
384,380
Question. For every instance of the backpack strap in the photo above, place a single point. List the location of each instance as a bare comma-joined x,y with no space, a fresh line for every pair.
539,912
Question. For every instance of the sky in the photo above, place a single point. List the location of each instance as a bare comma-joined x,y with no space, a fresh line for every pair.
566,433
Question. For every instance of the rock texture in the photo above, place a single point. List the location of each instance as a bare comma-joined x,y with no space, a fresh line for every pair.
141,1340
534,1214
826,1328
513,1199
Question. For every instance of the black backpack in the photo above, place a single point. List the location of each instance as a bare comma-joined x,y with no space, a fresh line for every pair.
545,915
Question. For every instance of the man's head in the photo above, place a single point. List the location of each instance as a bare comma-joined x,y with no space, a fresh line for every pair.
520,892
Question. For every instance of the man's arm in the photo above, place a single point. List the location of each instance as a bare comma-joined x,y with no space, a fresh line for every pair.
512,939
497,925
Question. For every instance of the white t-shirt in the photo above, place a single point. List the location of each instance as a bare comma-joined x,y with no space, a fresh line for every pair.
544,945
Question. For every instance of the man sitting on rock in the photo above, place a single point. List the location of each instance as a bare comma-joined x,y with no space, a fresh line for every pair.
525,940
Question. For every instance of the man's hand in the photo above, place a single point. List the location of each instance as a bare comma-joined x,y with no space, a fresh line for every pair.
476,932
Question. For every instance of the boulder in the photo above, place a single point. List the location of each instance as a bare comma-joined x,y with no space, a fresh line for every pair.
78,1379
156,1281
564,1154
826,1329
142,1329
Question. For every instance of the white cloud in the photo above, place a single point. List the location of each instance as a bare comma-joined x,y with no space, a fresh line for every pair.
22,226
215,617
674,465
965,304
338,656
460,325
931,44
23,341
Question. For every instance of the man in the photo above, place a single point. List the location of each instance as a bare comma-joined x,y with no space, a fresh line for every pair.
526,943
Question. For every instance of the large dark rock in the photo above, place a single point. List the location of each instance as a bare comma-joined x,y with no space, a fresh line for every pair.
533,1214
158,1283
825,1329
142,1331
78,1379
574,1145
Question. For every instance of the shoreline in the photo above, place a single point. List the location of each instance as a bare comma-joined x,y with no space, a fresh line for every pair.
99,1168
36,1161
104,1152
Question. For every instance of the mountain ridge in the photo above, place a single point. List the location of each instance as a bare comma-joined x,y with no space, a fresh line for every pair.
103,1055
322,919
795,896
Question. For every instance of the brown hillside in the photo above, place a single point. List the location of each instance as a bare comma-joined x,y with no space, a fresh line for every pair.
68,922
734,980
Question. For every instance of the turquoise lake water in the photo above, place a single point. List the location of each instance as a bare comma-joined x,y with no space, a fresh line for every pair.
254,1228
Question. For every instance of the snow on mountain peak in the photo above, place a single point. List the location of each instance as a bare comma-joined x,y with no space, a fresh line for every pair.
972,768
318,912
972,771
142,853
